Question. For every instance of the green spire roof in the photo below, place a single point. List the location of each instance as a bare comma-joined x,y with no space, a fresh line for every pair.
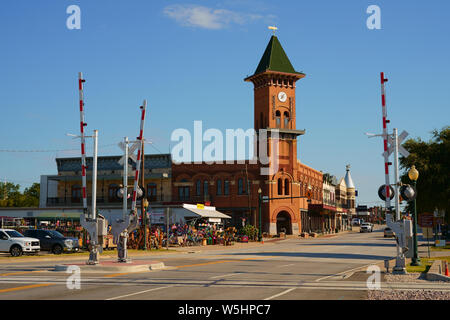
275,59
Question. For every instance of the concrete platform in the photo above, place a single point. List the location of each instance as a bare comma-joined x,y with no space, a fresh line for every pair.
114,266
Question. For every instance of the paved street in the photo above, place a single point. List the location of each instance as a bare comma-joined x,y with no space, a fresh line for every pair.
286,269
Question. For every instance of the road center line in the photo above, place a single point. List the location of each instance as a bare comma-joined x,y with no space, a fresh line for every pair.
136,293
280,294
21,272
26,287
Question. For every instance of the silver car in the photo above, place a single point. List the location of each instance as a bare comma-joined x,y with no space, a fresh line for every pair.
366,227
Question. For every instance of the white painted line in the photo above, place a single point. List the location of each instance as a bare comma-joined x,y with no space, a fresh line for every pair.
280,294
136,293
287,265
347,271
225,275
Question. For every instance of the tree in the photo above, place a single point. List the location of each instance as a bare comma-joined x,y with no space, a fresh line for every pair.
432,160
10,195
31,196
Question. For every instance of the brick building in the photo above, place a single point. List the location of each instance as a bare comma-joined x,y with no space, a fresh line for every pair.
233,188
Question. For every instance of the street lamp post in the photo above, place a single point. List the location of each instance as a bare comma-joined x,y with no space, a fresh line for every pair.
413,175
144,220
259,206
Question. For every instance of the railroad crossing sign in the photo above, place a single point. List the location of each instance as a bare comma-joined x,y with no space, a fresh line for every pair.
401,149
131,150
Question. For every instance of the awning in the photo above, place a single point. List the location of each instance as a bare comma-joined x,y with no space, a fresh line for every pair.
205,211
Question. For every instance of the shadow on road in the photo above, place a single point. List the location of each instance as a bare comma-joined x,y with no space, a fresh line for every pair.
352,244
314,255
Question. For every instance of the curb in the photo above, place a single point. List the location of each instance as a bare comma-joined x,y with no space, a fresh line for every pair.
109,269
434,275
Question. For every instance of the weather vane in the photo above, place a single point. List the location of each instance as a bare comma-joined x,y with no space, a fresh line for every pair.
273,29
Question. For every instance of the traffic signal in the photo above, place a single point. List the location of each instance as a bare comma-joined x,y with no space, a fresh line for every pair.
382,192
309,195
408,193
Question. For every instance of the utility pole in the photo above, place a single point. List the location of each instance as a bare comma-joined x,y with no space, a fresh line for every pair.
143,213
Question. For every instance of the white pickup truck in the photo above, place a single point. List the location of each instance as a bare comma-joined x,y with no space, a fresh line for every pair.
16,244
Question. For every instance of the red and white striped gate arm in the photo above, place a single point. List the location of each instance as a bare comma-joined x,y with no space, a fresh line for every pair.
83,144
385,141
139,155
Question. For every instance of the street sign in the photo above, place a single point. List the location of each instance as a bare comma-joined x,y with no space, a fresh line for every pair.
131,150
265,199
426,220
401,149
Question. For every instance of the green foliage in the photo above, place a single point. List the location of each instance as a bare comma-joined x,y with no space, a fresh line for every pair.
10,195
250,231
432,160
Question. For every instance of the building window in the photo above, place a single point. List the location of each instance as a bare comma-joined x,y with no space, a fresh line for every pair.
241,186
278,119
183,193
226,187
205,188
286,120
280,186
219,187
152,191
76,193
198,188
286,187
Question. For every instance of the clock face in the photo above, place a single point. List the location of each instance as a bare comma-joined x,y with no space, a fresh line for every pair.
282,96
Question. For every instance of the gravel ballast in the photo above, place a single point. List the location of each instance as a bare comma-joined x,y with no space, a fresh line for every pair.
416,294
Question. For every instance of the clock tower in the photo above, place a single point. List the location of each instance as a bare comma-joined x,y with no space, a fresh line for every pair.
274,98
275,110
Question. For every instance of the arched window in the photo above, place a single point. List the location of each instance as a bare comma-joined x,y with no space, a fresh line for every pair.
205,188
198,188
278,119
286,120
76,193
226,187
280,186
219,187
286,187
152,190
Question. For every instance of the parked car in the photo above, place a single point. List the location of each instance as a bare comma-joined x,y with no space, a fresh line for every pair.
388,232
366,227
356,222
54,241
15,243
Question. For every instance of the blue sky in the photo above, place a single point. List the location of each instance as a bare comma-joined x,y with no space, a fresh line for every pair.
189,60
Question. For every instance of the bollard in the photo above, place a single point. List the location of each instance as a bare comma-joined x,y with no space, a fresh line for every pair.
386,265
446,268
